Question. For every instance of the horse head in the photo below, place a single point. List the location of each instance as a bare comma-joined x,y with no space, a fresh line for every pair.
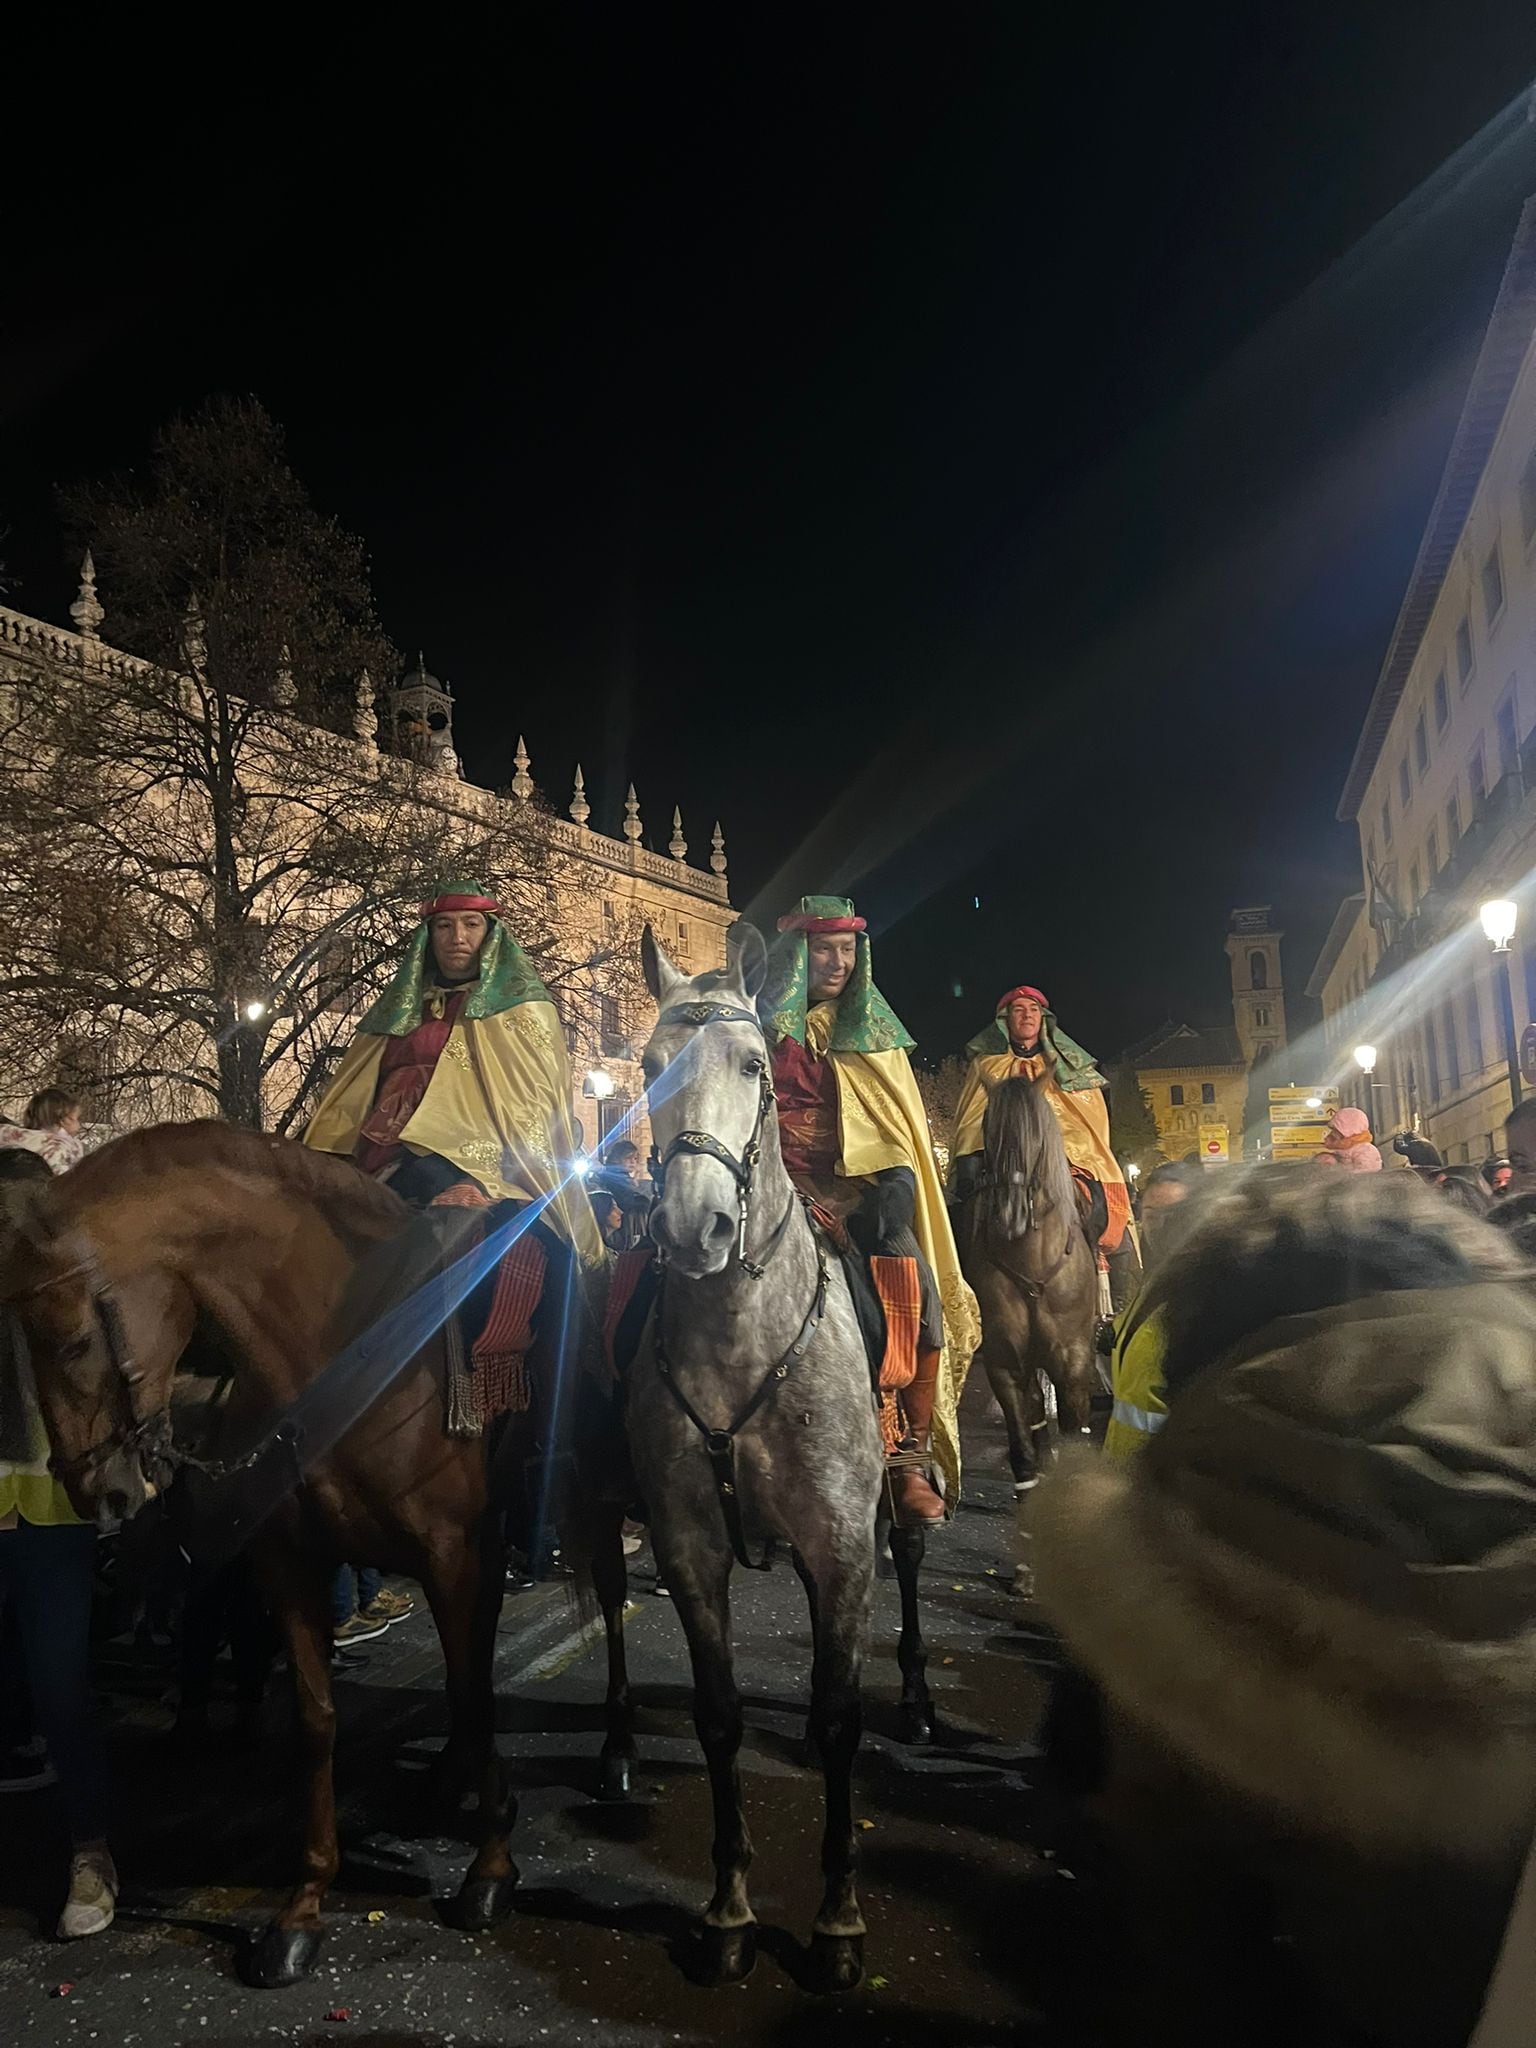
1026,1159
100,1344
710,1100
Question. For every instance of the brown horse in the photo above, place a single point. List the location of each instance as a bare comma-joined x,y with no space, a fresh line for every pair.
185,1240
1025,1253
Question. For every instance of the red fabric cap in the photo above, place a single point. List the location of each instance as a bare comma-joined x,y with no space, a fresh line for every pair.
487,904
796,923
1014,995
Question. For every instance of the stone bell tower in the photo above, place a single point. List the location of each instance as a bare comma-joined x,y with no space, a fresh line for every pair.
422,708
1258,985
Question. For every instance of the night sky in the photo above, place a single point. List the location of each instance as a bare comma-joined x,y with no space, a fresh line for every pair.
975,451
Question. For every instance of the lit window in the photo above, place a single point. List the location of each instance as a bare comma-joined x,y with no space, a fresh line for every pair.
1404,783
1442,703
1176,1097
1464,652
1493,584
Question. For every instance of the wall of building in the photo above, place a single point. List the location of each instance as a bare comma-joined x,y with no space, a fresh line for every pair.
1179,1121
1445,822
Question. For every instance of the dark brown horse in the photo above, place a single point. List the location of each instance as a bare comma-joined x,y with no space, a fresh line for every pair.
1025,1253
187,1238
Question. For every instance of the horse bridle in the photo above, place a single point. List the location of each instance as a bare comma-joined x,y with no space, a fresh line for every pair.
702,1145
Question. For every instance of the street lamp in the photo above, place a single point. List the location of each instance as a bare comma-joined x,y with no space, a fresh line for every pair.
1498,920
1365,1059
598,1085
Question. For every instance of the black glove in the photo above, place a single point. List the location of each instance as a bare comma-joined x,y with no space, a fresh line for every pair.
965,1177
882,1223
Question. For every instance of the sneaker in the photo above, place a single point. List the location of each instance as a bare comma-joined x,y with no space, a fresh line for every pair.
92,1897
26,1769
357,1628
387,1606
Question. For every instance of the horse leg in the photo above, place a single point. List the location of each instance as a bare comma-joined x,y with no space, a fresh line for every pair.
463,1583
299,1590
839,1620
610,1582
916,1709
1016,1390
701,1594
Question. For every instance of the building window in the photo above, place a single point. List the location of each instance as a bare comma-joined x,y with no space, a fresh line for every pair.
336,975
1477,777
1413,885
611,1025
1432,855
1207,1091
1258,970
1493,585
1528,498
1404,784
1509,746
1452,822
1476,1055
1175,1097
1464,652
1451,1049
1442,703
1370,853
1431,1061
1420,746
1261,1017
1386,821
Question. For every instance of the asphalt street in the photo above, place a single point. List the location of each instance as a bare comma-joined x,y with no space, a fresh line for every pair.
981,1927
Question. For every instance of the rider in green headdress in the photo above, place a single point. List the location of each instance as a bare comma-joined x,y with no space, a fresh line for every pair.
855,1139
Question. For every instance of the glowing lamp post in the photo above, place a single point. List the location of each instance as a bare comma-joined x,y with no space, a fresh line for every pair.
1365,1059
1498,920
598,1087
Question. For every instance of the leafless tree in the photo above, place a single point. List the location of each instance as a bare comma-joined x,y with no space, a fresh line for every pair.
206,864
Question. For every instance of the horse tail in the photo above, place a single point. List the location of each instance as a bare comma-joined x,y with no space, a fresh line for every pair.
1026,1159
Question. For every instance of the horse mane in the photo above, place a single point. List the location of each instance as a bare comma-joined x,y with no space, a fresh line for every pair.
351,1200
1025,1153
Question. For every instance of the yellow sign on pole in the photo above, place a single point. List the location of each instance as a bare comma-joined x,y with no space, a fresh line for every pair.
1213,1144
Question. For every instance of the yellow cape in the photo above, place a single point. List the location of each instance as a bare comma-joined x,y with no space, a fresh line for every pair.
1082,1113
498,1107
882,1123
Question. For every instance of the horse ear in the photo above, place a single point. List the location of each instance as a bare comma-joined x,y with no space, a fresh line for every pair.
660,974
747,956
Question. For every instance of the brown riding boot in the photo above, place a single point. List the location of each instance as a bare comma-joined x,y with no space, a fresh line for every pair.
914,1502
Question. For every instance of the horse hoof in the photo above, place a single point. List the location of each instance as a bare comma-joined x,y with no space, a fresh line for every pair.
481,1902
613,1777
917,1726
278,1956
726,1954
837,1963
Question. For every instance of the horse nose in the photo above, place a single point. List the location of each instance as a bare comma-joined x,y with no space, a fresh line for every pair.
706,1234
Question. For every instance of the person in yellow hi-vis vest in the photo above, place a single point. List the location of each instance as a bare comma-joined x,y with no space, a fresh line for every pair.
1136,1362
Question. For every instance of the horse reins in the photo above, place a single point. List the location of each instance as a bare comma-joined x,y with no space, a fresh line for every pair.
720,1444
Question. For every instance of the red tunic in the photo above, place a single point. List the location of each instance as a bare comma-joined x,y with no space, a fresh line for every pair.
405,1072
808,1121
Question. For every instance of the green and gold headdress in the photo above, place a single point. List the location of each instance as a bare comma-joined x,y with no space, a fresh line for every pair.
507,975
865,1020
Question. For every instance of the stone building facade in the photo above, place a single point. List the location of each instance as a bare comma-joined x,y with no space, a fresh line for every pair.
603,889
1442,787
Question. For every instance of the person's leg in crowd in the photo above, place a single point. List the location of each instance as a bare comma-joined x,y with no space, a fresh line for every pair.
46,1572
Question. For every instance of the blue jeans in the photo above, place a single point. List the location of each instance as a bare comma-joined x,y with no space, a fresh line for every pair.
352,1589
45,1575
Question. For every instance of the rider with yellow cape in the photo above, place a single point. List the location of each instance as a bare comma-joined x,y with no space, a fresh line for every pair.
855,1140
457,1091
1024,1038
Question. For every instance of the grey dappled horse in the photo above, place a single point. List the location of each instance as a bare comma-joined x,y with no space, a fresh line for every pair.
1027,1257
750,1418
